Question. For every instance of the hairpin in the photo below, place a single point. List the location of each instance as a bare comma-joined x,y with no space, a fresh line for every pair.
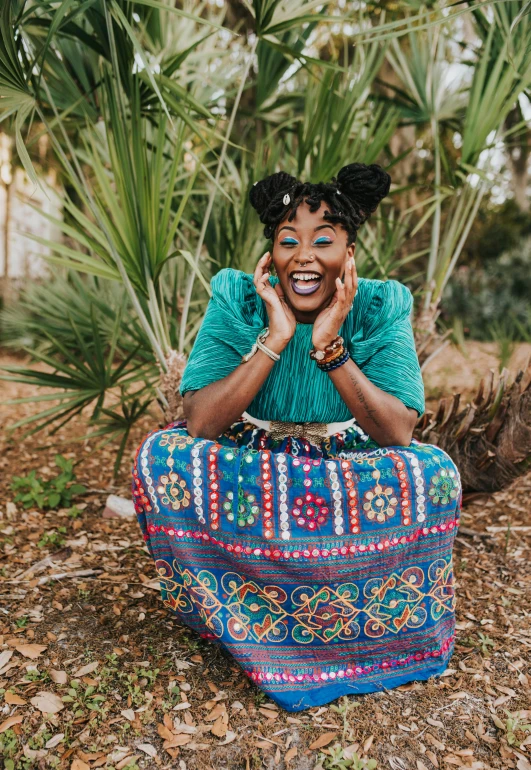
286,199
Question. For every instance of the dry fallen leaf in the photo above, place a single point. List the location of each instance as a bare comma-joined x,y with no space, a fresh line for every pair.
164,732
323,740
88,669
230,736
47,702
148,749
54,741
177,740
59,677
290,754
10,721
5,656
216,712
30,650
129,714
434,722
269,713
14,700
219,727
128,761
78,764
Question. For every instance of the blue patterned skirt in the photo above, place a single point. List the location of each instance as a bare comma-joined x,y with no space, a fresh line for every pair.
325,569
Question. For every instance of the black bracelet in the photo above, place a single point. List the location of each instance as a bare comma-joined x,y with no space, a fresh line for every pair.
334,364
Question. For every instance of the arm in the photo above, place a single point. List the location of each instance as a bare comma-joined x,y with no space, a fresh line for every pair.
383,416
209,411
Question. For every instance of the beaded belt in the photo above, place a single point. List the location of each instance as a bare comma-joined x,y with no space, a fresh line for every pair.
313,431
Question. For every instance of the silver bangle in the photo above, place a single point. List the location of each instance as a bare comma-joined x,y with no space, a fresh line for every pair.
260,345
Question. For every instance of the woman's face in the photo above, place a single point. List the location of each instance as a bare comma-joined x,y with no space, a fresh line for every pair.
309,253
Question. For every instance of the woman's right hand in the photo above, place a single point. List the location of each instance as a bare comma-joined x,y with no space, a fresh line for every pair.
282,322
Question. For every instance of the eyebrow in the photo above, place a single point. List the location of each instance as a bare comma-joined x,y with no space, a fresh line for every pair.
319,227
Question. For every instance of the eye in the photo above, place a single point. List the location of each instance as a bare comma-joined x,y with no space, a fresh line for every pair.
323,240
288,242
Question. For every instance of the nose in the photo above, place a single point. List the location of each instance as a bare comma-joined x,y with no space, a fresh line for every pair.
304,258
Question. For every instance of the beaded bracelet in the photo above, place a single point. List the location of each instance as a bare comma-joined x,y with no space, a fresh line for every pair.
334,364
322,355
332,357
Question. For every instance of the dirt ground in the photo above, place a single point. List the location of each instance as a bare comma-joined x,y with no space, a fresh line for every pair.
95,672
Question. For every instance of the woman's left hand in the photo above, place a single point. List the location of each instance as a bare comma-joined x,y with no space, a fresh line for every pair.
327,324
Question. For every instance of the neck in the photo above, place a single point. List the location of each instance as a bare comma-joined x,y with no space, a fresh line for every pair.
306,316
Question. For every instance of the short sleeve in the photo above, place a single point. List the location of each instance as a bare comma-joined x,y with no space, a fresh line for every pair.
384,346
229,328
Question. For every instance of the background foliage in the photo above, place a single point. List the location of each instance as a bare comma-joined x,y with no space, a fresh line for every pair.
159,118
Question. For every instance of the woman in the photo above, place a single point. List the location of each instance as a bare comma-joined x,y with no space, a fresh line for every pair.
290,515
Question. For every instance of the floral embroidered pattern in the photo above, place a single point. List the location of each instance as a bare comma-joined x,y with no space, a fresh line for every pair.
310,563
173,491
443,487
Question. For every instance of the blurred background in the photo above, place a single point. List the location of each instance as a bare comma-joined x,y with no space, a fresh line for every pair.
131,133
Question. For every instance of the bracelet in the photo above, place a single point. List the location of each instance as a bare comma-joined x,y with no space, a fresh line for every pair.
328,360
323,355
337,362
259,344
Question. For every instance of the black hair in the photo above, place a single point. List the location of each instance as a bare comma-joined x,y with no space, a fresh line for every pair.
352,196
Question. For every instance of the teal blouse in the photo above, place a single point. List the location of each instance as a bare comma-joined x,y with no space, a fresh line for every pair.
377,330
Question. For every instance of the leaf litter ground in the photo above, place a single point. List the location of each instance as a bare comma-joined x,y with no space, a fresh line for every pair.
95,672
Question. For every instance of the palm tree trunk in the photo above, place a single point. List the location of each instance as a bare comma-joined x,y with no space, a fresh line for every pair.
490,438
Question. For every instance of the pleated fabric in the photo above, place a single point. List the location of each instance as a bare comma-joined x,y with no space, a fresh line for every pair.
377,331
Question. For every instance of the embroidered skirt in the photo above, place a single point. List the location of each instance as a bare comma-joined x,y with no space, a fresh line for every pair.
325,569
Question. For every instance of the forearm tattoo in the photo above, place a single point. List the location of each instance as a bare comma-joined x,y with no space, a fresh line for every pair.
371,413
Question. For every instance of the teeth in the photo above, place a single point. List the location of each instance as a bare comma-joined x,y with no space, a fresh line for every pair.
305,276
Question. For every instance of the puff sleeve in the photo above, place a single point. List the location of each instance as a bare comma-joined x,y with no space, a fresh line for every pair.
229,328
384,347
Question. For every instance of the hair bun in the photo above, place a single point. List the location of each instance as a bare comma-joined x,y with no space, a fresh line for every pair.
364,185
263,192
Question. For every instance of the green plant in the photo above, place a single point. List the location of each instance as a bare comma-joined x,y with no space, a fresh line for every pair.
83,699
133,689
149,674
74,513
32,490
8,746
344,759
157,130
37,676
53,538
492,298
483,642
345,706
22,622
515,723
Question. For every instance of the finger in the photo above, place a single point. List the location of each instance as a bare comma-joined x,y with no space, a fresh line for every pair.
354,279
351,279
348,277
341,293
261,266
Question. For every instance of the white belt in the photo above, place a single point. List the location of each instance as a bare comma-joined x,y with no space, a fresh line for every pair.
329,428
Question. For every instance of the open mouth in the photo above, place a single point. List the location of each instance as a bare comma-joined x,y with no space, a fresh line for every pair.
305,282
